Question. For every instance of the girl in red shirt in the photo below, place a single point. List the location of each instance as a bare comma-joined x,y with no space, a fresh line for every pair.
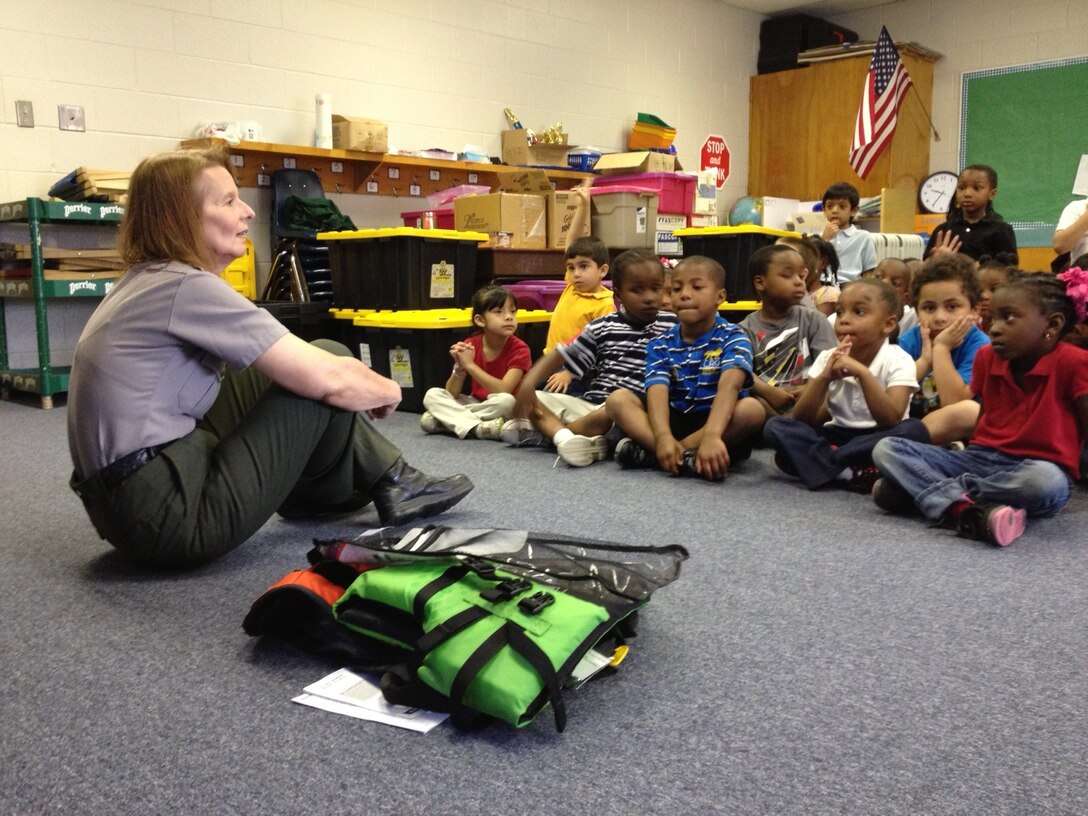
494,361
1025,453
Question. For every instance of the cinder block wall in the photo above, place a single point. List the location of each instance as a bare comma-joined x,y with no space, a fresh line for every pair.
148,72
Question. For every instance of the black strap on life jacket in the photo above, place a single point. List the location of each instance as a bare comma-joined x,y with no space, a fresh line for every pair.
509,634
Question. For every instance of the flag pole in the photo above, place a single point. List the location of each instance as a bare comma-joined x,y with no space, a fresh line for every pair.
936,135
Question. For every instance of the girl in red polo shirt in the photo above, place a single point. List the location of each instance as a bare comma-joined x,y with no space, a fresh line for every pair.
1026,448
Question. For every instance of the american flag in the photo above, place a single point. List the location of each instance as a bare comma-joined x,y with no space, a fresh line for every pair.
885,86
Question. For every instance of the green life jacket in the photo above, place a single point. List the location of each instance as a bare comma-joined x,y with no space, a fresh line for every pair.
486,622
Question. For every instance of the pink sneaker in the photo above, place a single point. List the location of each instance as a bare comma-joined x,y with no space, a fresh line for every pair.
997,524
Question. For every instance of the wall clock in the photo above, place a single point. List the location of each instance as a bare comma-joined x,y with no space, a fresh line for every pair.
936,193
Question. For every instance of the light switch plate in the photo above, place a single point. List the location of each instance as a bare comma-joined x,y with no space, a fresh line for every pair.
71,117
24,113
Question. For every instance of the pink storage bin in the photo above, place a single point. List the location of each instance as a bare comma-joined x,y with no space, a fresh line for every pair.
443,218
676,191
541,294
537,294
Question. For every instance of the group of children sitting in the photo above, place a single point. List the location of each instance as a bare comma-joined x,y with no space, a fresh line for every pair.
871,397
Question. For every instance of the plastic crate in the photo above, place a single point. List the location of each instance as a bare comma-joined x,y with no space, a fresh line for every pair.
624,217
310,320
412,347
731,247
241,273
676,191
541,294
402,268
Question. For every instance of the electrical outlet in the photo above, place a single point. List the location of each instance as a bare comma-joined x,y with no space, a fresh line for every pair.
24,112
71,117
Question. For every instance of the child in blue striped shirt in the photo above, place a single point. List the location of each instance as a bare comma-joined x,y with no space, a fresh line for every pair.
697,417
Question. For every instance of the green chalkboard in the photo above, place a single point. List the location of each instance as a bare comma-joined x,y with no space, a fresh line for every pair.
1030,123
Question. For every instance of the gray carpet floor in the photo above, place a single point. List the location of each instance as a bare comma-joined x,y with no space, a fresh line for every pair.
815,656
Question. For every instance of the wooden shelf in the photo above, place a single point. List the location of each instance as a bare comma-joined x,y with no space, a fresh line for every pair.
351,171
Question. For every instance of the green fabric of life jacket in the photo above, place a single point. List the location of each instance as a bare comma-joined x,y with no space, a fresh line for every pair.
488,655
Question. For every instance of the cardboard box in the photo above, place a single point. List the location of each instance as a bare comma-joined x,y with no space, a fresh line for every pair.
515,216
706,193
640,161
778,212
517,150
512,220
561,208
358,133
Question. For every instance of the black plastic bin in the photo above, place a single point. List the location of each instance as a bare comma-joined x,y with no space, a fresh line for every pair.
782,38
731,247
403,268
310,321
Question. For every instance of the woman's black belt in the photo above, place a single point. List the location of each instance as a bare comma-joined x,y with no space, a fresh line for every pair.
116,472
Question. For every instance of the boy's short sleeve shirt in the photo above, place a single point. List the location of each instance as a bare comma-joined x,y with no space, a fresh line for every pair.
845,399
574,310
854,247
691,371
515,354
616,348
963,358
782,352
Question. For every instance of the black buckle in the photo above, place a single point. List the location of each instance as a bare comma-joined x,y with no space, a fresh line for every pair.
485,569
506,590
536,603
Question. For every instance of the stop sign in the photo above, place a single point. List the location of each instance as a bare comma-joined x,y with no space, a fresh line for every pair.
715,156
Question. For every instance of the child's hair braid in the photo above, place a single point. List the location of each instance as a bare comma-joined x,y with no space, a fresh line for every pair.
1048,293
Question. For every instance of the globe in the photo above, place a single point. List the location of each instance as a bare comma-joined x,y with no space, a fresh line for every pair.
747,210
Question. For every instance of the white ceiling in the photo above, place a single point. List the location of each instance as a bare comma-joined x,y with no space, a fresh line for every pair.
821,8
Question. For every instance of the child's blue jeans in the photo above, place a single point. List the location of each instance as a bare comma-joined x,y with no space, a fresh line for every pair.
937,477
816,454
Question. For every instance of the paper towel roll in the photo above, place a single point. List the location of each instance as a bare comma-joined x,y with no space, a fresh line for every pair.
323,120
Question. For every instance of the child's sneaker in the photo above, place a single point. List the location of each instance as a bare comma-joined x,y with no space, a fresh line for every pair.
580,451
863,479
631,455
428,424
688,466
997,524
687,463
891,498
489,429
520,433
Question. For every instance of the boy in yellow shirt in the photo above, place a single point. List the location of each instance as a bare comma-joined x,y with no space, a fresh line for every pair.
584,298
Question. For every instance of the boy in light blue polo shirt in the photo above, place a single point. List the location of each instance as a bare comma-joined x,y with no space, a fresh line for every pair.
853,245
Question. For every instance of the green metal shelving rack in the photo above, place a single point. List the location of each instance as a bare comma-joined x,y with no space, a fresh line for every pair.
47,379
